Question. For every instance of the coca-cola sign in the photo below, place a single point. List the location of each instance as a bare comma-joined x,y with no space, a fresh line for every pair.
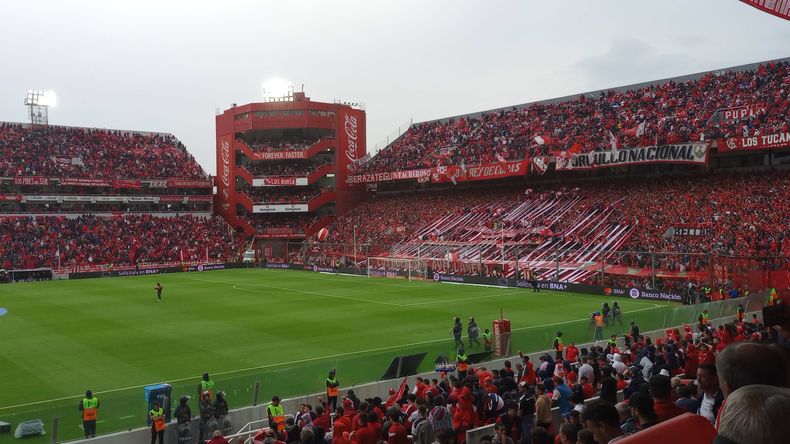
350,127
225,154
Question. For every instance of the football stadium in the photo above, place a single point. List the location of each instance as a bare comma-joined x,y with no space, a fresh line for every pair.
600,265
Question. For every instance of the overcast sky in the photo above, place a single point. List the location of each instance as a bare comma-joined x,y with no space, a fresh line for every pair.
168,65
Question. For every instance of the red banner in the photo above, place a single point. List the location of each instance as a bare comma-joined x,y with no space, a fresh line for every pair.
199,198
31,180
66,181
10,197
173,198
452,173
183,183
393,175
779,8
281,232
280,155
768,141
738,112
126,183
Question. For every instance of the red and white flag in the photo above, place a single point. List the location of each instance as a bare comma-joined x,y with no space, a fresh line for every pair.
541,140
612,141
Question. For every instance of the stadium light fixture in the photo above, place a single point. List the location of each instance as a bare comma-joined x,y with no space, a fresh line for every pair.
276,89
38,103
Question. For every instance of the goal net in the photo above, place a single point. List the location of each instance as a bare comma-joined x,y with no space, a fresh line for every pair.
390,267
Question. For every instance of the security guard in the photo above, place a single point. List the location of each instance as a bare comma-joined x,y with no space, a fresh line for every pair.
332,389
157,415
276,415
487,342
558,345
89,407
461,364
206,385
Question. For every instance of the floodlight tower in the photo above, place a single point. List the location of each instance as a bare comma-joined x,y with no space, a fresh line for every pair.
38,104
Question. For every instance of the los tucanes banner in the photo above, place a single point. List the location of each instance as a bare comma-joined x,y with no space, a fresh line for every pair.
182,183
31,180
694,153
779,8
280,181
738,112
76,182
768,141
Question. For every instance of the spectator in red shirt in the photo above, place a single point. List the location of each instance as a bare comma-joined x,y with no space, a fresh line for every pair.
365,434
396,434
660,388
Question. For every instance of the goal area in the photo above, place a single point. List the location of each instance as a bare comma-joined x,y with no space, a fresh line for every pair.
393,267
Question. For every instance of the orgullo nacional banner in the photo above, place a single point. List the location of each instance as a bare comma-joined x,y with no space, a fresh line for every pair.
279,181
452,173
767,141
694,153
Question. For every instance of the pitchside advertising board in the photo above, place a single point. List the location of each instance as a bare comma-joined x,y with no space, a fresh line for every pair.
143,270
631,292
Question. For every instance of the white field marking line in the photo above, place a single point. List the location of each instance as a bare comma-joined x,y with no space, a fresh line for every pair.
126,417
473,285
503,292
300,361
236,287
368,282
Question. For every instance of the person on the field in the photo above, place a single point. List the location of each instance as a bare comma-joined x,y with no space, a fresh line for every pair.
473,331
617,313
456,331
89,407
206,385
158,289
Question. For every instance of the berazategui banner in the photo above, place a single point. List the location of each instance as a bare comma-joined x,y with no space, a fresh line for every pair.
451,173
694,153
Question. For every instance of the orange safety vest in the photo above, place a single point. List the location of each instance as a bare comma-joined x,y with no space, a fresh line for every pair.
599,321
461,365
277,413
331,392
89,410
159,419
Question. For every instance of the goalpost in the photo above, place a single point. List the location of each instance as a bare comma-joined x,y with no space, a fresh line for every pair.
391,267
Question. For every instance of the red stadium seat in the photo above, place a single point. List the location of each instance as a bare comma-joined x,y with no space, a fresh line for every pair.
684,429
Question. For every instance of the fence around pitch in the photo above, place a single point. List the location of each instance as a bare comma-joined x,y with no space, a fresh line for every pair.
667,271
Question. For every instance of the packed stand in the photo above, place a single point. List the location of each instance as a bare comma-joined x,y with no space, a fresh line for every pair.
289,168
673,112
712,376
281,144
90,241
280,195
282,223
56,151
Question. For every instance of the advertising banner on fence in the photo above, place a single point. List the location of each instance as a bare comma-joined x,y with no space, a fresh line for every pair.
181,183
31,180
694,153
285,208
126,183
77,182
279,181
767,141
279,155
393,175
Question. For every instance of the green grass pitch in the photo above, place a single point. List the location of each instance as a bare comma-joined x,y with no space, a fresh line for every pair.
285,329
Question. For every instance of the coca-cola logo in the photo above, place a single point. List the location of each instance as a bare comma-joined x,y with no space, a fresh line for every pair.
225,154
351,134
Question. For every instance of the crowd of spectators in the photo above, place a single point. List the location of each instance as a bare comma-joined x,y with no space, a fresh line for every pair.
88,241
287,168
282,223
672,112
740,215
615,388
79,208
280,195
56,151
281,144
